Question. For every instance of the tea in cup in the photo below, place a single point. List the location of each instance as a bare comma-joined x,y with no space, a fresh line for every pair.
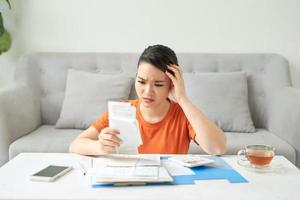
259,156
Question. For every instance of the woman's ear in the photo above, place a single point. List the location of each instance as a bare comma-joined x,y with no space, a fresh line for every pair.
170,96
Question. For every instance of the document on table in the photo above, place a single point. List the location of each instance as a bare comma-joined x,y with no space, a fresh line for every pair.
127,172
123,160
122,116
129,168
130,175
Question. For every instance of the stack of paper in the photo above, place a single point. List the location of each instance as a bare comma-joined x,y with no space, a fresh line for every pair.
123,160
119,168
126,175
122,116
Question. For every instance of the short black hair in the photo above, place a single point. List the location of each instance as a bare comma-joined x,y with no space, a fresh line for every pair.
159,56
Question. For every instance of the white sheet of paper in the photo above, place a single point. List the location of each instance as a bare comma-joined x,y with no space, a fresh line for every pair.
122,116
127,173
121,160
102,168
148,160
122,110
148,171
99,170
176,169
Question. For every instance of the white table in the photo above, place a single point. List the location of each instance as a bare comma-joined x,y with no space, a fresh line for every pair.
15,183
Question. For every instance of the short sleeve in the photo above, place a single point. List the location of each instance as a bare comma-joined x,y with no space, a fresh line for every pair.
192,132
101,122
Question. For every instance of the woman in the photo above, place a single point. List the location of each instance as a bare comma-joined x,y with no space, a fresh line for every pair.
166,126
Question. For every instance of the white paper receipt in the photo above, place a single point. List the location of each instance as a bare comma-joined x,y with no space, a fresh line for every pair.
122,116
191,160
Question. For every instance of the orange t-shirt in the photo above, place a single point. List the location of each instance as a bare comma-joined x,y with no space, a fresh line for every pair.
171,135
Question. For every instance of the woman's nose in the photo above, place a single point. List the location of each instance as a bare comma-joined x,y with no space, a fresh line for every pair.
148,89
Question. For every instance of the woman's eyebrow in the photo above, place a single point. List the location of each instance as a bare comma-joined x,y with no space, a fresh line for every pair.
140,78
156,81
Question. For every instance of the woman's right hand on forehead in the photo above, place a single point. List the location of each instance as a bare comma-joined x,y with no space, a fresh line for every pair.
109,140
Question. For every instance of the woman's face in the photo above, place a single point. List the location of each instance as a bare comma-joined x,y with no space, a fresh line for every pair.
152,85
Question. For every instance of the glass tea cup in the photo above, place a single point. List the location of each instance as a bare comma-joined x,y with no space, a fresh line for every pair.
259,156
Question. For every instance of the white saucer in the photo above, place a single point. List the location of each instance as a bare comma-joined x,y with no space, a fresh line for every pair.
272,168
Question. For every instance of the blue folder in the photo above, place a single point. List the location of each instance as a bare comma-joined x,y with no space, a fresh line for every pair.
219,170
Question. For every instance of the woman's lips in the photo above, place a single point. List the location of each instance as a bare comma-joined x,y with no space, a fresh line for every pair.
148,100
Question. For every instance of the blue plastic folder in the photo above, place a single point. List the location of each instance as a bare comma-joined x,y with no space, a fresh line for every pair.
220,170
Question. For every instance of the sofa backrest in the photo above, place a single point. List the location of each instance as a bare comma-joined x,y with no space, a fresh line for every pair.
46,73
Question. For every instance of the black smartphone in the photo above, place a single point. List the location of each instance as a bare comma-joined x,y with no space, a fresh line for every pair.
50,173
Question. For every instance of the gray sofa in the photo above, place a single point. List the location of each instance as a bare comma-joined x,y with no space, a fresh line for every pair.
30,108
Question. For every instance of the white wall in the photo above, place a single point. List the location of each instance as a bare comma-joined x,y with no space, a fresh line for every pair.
216,26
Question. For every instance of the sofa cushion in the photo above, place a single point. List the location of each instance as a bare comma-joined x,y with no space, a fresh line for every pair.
223,98
87,95
45,139
237,141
